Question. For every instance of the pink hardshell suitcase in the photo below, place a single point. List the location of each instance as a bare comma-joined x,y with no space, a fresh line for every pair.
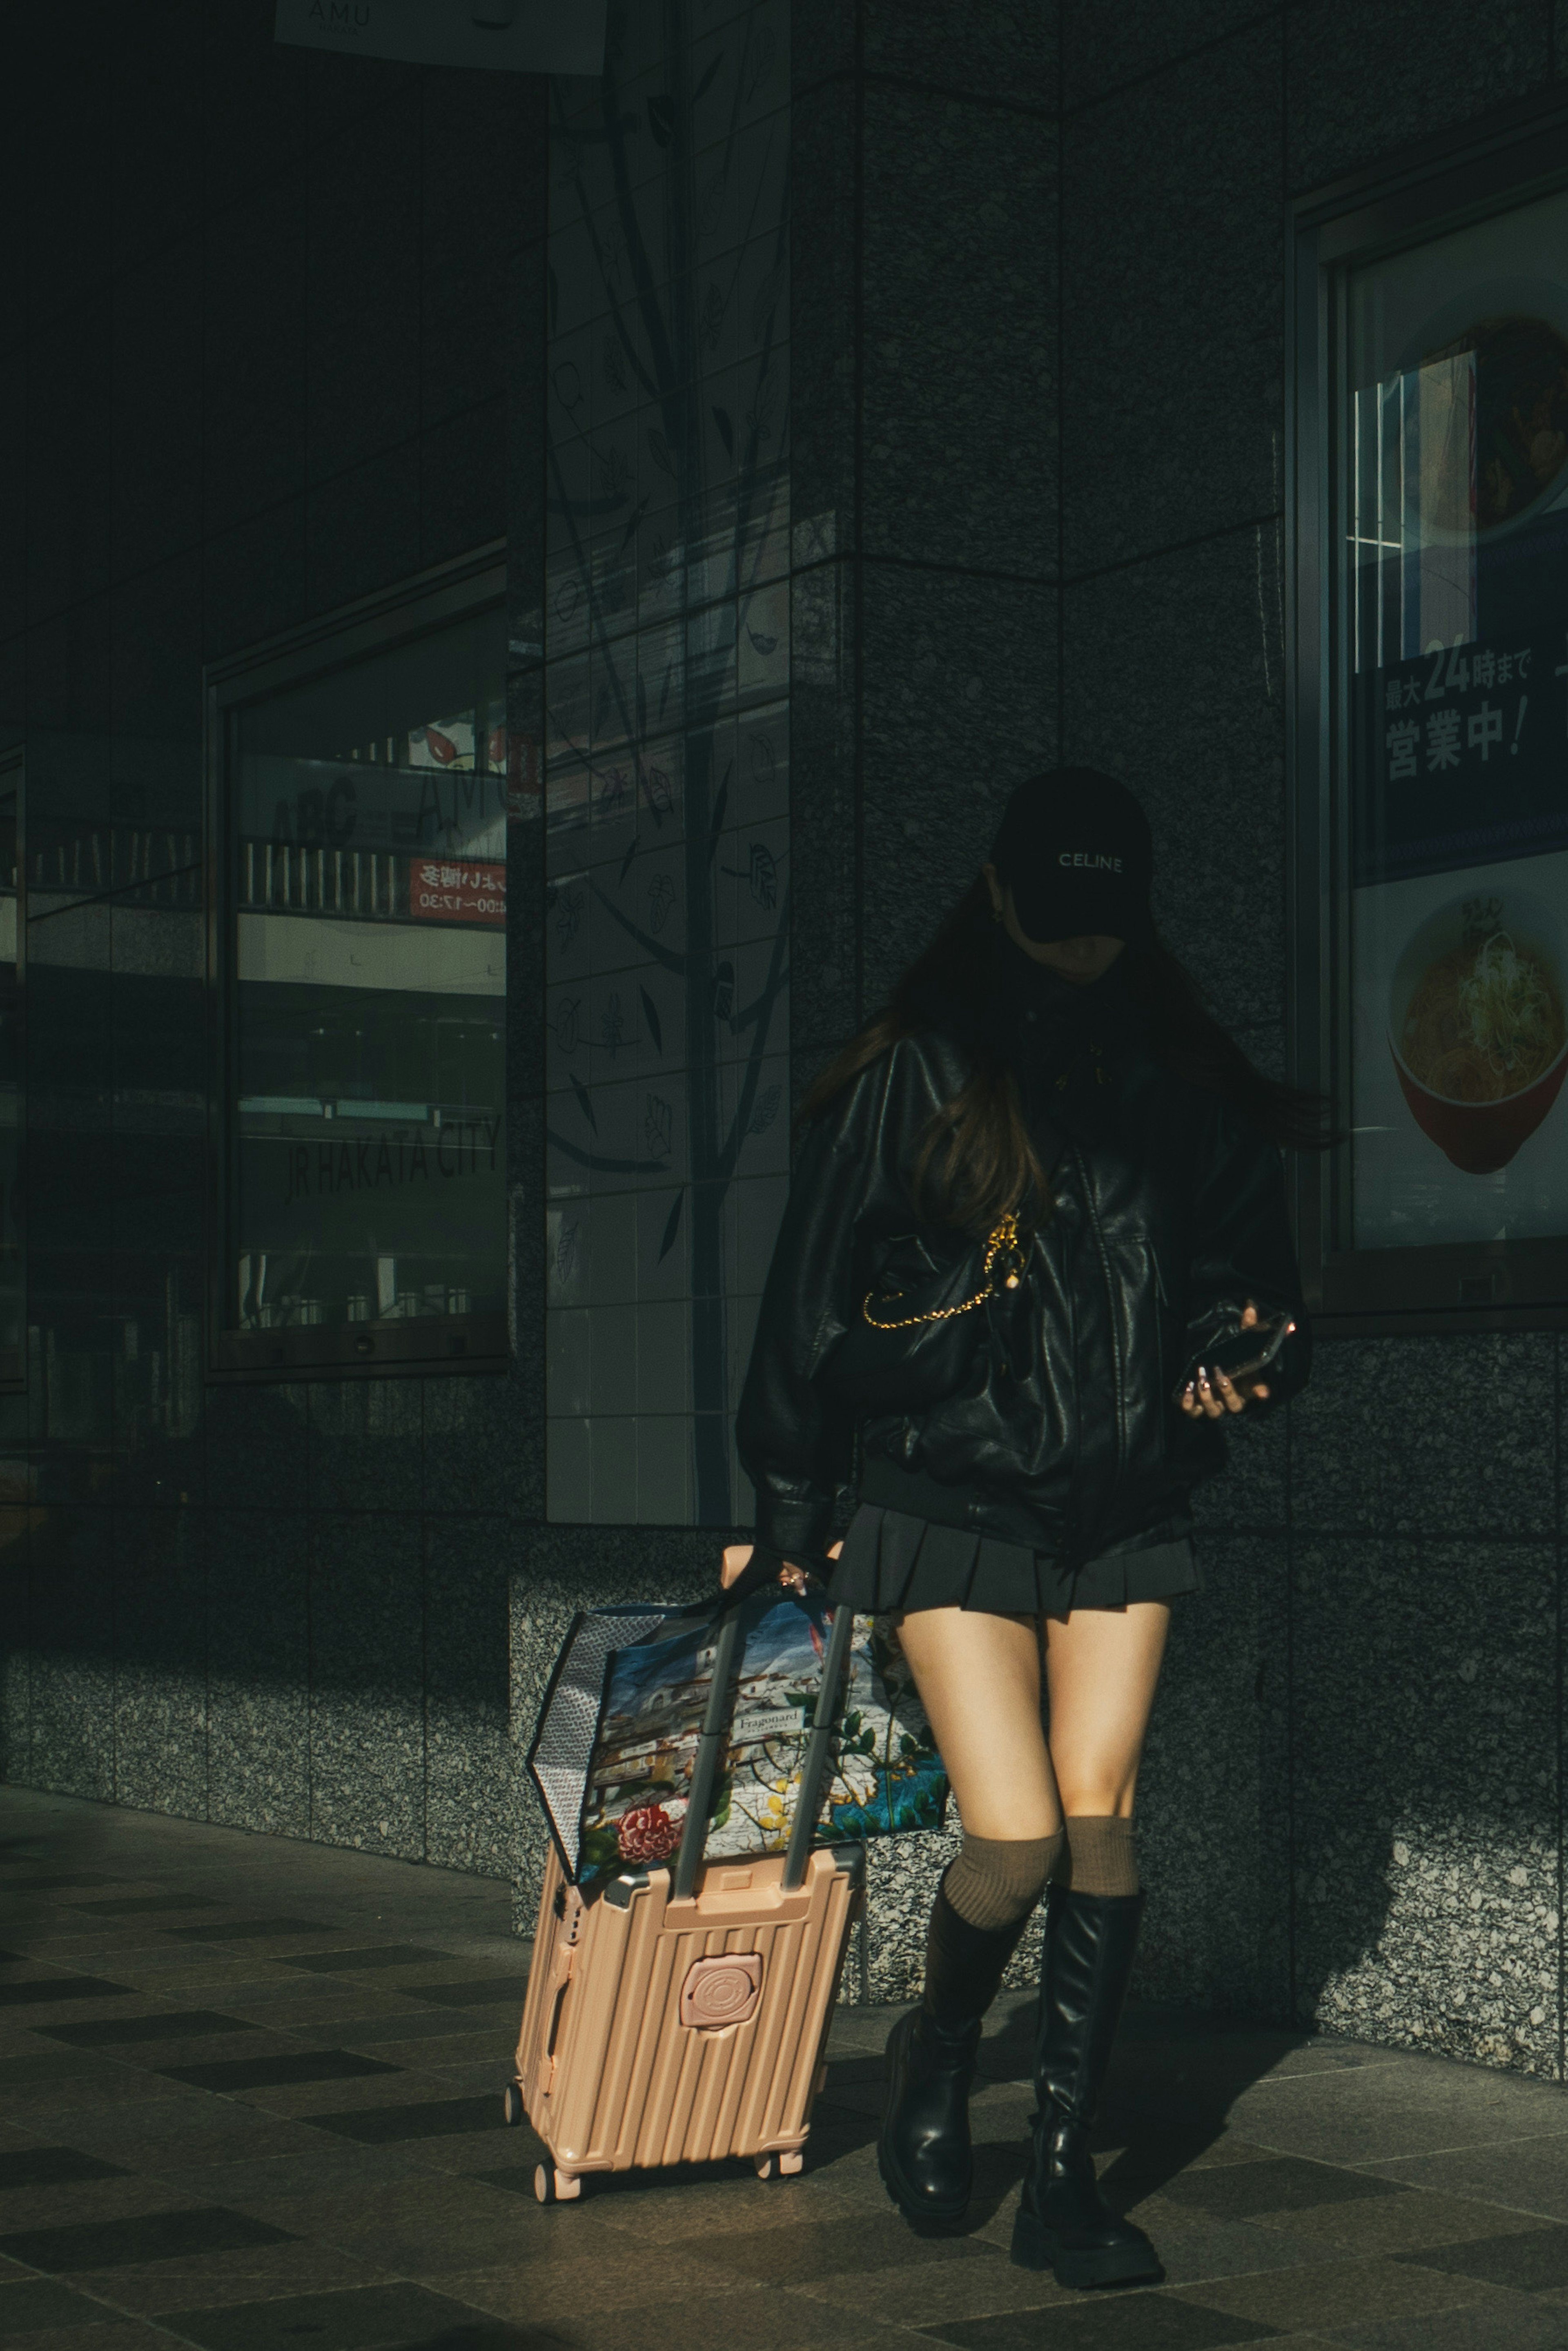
682,2015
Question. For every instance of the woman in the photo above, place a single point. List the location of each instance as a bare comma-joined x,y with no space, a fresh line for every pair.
1045,1059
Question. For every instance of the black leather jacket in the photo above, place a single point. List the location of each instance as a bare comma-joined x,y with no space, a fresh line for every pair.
1169,1215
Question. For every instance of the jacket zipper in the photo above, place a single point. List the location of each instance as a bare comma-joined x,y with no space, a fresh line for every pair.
1116,1367
1070,1296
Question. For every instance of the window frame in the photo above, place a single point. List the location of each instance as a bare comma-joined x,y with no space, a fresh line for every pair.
460,590
1507,159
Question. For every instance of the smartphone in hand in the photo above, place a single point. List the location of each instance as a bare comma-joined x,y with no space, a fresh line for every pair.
1241,1353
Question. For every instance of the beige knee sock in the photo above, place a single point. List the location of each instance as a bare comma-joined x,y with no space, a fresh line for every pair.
1102,1856
995,1881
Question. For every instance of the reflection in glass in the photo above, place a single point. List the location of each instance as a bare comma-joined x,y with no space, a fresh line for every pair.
367,879
1414,517
13,1286
666,756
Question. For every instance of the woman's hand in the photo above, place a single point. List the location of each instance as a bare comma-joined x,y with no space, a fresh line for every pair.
737,1558
1209,1396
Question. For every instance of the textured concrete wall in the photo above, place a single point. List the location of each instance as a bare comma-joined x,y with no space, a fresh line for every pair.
924,480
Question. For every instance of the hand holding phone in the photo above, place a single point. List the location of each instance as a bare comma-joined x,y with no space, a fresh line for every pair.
1228,1376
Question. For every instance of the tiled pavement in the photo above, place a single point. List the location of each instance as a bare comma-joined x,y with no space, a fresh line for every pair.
249,2100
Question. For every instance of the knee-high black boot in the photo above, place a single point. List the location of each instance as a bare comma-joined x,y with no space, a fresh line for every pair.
1062,2222
923,2152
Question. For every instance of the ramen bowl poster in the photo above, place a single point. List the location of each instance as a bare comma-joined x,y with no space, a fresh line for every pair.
1459,1050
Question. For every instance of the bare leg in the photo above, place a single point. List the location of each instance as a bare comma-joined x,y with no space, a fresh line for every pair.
1102,1666
979,1678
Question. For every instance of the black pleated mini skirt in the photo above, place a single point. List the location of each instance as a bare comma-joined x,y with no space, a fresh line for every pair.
891,1562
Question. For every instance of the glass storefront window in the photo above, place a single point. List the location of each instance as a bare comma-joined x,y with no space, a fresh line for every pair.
365,852
13,1277
1434,920
1456,407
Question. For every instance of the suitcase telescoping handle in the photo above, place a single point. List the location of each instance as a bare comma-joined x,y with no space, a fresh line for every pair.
705,1766
710,1748
819,1749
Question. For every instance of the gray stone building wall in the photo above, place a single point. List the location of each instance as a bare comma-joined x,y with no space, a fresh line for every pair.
1037,355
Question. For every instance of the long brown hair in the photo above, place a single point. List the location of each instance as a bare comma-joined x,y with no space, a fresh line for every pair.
989,1168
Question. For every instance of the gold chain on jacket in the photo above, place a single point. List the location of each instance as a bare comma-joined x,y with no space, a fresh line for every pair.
1002,1247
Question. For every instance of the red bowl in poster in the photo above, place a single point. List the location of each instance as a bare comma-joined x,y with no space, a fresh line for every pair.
1476,1025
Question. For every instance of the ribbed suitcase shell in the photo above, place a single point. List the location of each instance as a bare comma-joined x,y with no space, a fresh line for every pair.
611,2075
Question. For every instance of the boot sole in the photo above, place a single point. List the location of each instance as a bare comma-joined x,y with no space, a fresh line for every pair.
1036,2247
924,2219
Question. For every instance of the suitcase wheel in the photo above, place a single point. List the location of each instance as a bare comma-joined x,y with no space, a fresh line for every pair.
766,2166
512,2105
553,2186
783,2165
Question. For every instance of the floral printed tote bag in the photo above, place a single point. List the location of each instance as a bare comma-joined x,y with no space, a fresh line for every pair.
617,1735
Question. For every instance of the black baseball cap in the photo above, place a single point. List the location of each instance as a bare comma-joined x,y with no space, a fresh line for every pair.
1073,847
